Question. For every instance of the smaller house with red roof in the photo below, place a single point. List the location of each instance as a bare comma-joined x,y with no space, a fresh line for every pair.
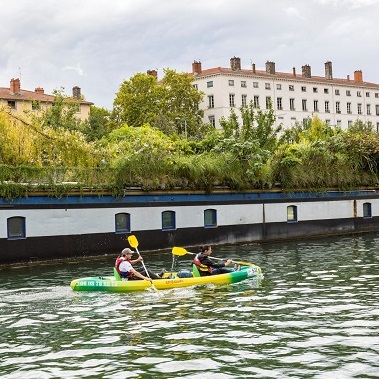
20,101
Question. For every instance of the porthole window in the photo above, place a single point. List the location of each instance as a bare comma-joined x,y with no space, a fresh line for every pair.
168,220
367,213
210,218
16,227
292,213
122,222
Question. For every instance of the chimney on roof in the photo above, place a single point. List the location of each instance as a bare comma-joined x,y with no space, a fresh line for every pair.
152,73
270,68
306,71
358,77
196,68
294,71
253,66
15,85
328,70
39,90
348,78
235,63
76,93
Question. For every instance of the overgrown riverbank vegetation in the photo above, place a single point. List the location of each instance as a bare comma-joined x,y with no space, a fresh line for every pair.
153,139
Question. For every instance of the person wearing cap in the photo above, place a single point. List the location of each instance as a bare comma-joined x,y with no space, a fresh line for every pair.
125,269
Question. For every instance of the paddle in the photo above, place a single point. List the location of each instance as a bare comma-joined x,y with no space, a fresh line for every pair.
182,251
134,244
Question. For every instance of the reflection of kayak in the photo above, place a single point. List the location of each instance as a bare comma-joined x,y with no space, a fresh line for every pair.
178,279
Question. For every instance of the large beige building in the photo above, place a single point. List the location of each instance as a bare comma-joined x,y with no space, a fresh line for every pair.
19,101
294,96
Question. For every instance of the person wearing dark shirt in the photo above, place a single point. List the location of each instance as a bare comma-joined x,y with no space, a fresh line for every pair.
207,266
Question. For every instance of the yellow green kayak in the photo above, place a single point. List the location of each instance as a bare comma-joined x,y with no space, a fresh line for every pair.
169,280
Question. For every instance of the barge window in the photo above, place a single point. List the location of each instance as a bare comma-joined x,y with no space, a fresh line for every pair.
210,218
168,220
292,213
367,210
122,222
16,228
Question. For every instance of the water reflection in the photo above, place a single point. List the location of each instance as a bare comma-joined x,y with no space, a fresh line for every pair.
314,316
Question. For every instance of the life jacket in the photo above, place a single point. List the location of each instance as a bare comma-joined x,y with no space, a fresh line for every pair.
119,260
117,264
200,266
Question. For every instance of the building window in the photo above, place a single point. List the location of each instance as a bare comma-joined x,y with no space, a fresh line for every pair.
376,94
303,89
210,84
292,213
231,83
339,123
210,218
314,89
291,87
243,84
377,110
377,127
338,107
212,120
315,105
279,103
348,93
231,100
367,94
327,110
368,109
326,90
304,104
168,220
77,108
211,101
292,104
367,213
36,105
267,85
195,86
279,87
337,92
122,222
327,122
348,107
359,94
11,104
244,100
255,84
256,101
268,102
349,123
359,108
16,228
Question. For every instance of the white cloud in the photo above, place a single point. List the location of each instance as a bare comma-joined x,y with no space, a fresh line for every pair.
76,68
113,41
294,12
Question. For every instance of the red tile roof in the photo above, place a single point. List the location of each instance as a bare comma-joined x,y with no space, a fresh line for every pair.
24,95
283,75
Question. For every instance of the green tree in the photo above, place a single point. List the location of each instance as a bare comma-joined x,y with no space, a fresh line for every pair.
171,105
98,124
62,113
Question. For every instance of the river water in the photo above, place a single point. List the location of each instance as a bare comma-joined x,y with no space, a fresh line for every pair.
315,315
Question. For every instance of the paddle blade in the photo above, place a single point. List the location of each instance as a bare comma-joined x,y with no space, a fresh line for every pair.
133,242
179,251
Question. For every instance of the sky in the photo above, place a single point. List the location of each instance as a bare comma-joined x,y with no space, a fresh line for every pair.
98,44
